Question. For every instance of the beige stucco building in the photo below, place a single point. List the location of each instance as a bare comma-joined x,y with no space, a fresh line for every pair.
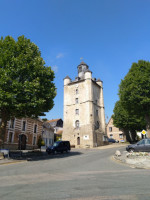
84,118
114,132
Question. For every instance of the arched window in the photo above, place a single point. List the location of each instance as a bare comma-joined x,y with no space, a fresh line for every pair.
77,91
77,123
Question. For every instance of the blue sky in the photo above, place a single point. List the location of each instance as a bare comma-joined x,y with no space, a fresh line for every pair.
109,34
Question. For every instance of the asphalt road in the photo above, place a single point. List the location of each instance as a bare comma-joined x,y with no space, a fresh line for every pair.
79,175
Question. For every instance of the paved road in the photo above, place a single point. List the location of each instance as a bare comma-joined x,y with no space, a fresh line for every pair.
79,175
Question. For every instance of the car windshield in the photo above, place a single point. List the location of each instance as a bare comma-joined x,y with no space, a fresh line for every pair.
55,144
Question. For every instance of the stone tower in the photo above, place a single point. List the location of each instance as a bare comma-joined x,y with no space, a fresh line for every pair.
84,118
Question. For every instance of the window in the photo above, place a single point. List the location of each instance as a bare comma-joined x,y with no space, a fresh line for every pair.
34,140
111,135
141,142
12,123
121,136
96,112
77,91
77,124
80,69
77,111
148,141
46,141
96,101
24,126
110,129
35,128
97,125
76,101
10,139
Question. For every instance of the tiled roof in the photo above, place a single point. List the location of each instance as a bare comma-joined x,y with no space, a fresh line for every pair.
59,132
53,120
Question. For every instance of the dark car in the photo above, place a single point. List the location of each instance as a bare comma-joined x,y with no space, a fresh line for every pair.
59,146
142,145
111,140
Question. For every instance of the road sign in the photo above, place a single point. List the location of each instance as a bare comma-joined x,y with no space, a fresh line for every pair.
144,132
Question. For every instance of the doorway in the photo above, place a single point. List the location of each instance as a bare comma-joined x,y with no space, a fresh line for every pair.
22,142
78,140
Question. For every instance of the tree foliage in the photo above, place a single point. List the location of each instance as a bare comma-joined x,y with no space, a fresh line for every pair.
40,142
134,91
26,84
127,121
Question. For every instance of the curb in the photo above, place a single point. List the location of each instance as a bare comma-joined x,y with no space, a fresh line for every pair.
13,162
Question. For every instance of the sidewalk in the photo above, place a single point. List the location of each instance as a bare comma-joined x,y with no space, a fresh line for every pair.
24,156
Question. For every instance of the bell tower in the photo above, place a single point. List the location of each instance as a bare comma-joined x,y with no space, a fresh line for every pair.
84,118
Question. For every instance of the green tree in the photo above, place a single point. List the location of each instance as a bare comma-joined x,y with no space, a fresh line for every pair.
128,122
134,91
26,84
40,142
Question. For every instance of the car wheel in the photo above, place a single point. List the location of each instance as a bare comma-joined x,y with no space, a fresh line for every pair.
54,152
131,150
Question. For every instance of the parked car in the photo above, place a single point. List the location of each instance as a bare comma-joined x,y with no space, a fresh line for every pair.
142,145
111,140
59,146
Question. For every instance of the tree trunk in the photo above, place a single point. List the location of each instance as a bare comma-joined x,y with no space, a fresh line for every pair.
3,125
147,119
133,135
128,137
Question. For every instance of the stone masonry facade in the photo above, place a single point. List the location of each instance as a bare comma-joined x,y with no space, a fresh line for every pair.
84,118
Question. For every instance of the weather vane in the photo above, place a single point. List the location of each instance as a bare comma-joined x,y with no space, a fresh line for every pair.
81,58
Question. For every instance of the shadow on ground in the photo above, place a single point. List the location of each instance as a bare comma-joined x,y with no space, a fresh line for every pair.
38,155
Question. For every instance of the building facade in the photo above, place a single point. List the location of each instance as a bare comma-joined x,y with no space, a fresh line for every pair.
84,118
48,134
23,133
114,132
57,124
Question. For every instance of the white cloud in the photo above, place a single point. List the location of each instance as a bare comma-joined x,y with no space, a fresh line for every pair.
60,55
55,68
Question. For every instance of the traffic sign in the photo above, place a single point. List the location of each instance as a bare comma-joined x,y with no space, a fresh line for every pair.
144,132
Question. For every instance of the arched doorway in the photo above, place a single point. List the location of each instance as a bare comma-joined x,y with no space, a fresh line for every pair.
78,140
22,142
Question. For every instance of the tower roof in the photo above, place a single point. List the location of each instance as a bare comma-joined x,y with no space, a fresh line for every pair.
98,80
67,77
83,63
87,70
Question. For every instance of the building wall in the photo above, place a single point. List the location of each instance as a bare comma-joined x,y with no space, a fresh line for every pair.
114,132
32,135
48,136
